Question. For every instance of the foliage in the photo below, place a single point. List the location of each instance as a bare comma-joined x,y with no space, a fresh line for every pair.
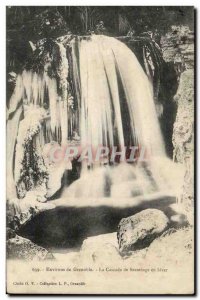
80,19
32,23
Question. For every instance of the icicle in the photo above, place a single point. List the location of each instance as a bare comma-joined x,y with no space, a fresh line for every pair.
27,82
12,129
41,89
83,76
63,121
76,80
62,106
16,96
52,90
35,88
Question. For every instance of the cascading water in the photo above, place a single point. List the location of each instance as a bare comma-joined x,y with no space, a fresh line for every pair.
102,60
104,63
114,107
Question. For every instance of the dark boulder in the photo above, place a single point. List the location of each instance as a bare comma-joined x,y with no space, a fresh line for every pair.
138,231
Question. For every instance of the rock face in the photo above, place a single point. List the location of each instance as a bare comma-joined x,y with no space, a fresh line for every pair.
21,248
172,248
178,47
22,211
138,231
183,139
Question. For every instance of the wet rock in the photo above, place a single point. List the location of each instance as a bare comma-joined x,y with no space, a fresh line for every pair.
21,248
138,231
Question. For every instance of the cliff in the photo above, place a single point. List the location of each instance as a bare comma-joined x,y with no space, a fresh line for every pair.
178,47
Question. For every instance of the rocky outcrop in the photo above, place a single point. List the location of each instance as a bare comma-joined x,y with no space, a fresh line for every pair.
21,211
175,241
183,139
178,47
138,231
21,248
172,248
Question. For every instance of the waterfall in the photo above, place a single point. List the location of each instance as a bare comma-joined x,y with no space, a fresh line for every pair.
102,61
114,107
111,78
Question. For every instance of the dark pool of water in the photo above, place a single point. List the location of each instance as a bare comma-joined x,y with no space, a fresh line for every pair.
67,227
